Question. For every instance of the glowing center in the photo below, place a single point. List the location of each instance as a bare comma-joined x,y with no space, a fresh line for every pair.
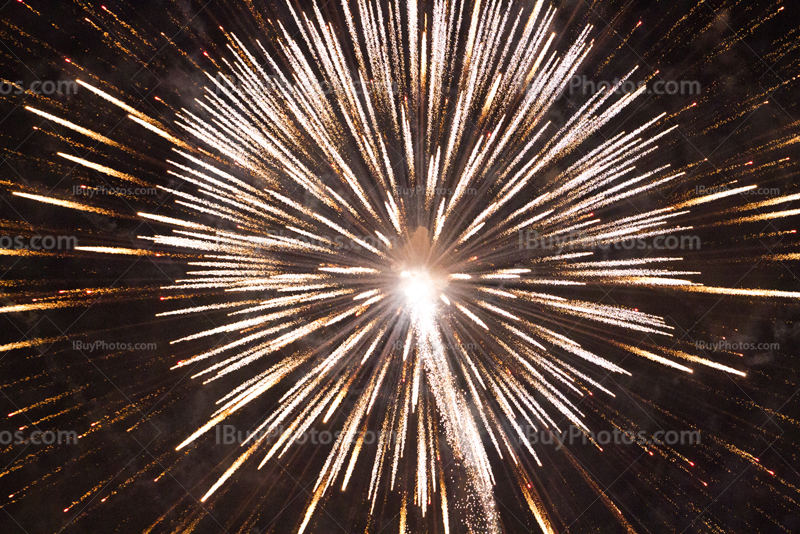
419,288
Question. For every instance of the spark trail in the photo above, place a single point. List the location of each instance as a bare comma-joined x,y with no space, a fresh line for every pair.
453,97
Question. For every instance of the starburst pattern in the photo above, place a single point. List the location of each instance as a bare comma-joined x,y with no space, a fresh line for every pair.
374,186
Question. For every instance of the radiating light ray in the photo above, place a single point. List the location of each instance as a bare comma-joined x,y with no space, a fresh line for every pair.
350,327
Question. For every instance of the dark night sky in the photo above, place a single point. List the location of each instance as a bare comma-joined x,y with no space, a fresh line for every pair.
120,388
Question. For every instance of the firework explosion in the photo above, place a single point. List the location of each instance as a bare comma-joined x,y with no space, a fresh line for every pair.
401,239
